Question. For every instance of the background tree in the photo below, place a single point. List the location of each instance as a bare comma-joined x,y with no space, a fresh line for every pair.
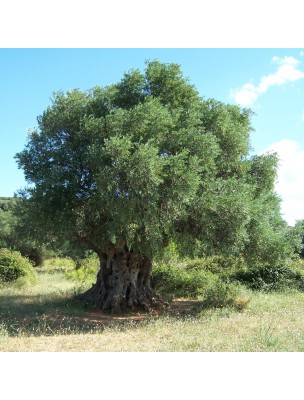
7,220
13,234
296,235
125,168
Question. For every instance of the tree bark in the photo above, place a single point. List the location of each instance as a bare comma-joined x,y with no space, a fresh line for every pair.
123,282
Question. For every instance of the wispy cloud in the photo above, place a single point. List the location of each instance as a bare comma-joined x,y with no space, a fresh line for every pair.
287,71
290,178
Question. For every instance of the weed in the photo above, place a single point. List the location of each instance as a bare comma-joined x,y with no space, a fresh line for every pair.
3,331
267,336
241,302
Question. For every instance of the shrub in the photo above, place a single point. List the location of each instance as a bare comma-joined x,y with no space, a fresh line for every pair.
178,282
224,267
296,265
271,278
220,294
13,267
196,282
86,270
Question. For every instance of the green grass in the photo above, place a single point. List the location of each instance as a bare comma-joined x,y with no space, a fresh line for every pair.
47,317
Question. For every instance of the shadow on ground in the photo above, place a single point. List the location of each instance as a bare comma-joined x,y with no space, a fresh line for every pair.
36,316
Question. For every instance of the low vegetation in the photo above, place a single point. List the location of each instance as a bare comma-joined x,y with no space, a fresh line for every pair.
86,270
47,315
15,268
178,281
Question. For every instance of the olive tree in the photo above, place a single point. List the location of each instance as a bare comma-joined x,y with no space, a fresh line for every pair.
126,168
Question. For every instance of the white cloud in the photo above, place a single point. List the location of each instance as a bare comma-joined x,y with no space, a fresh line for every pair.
290,180
245,96
286,72
302,116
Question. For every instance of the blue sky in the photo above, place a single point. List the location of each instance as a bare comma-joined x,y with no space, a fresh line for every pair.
269,81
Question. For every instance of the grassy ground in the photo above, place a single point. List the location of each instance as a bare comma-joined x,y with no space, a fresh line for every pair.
46,317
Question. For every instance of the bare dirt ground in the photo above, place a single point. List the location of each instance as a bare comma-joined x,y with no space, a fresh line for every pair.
178,307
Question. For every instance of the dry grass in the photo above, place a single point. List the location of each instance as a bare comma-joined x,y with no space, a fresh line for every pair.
213,331
45,318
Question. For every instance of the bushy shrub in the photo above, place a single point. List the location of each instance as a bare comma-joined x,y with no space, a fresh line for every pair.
220,294
271,278
224,267
182,281
296,265
258,277
86,270
13,267
178,282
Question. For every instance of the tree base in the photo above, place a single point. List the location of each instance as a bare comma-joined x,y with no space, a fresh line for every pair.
113,305
123,284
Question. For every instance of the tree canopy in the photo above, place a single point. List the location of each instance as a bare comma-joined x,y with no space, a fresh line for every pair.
126,168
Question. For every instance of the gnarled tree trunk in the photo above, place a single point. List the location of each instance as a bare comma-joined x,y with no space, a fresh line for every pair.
123,282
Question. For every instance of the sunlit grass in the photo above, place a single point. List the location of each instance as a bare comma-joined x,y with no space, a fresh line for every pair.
218,330
54,265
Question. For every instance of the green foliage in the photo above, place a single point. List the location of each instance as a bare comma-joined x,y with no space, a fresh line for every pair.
262,173
176,281
296,264
147,161
231,126
131,90
272,277
192,280
170,254
223,267
222,294
268,241
14,232
257,277
13,267
54,265
7,221
296,236
86,270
